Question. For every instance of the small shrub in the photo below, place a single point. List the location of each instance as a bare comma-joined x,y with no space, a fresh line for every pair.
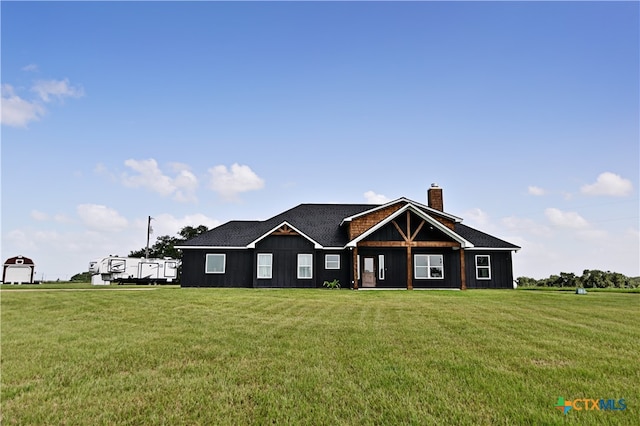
331,284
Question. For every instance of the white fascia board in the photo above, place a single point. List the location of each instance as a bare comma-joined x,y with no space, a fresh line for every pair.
493,249
400,200
436,211
252,244
212,247
463,242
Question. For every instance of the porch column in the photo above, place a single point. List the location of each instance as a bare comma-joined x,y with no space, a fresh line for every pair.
355,268
463,271
409,269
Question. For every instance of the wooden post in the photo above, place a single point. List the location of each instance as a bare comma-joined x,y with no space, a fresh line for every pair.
355,268
463,271
409,269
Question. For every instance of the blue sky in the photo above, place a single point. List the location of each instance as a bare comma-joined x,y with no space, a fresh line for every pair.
526,113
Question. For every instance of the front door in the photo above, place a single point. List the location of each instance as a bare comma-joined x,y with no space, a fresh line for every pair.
368,272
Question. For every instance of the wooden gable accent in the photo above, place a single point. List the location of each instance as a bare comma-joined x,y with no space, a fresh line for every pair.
362,224
284,230
409,226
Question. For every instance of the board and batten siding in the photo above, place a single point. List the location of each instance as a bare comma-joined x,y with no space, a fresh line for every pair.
284,267
238,268
343,274
451,260
501,269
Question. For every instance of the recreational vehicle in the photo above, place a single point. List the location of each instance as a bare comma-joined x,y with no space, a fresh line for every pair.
133,270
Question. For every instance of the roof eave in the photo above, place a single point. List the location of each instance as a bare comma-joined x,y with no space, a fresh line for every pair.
211,247
253,243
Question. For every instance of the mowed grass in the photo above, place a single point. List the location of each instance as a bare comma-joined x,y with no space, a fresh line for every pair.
321,357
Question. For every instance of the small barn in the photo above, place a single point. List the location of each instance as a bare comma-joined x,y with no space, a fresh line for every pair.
18,270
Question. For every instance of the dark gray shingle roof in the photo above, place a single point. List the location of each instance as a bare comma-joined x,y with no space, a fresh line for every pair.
321,223
481,239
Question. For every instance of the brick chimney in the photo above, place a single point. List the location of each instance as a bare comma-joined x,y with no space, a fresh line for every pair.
434,197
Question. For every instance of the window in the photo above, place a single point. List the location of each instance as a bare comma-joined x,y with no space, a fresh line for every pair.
381,267
332,261
215,263
117,265
428,266
483,267
264,265
304,265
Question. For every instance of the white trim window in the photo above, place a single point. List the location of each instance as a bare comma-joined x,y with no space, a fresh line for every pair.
331,261
483,267
381,267
265,266
215,263
428,266
305,268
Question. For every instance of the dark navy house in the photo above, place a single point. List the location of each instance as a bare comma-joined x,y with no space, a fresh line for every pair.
400,244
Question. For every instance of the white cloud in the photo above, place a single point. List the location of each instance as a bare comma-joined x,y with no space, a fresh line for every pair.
565,219
101,218
609,184
633,233
149,176
526,225
592,234
477,217
20,242
60,89
374,198
228,183
536,190
186,184
60,218
17,112
30,67
39,216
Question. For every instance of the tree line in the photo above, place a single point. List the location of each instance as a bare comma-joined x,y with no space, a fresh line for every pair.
590,278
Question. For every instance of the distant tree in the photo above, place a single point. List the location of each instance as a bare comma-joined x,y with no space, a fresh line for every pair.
589,279
84,277
594,279
620,280
165,244
189,232
526,282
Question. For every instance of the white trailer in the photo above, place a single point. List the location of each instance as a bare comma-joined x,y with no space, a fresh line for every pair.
133,270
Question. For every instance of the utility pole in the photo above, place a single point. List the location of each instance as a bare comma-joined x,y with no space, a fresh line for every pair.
149,230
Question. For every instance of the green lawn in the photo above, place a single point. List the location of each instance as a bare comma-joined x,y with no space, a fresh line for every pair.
306,357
